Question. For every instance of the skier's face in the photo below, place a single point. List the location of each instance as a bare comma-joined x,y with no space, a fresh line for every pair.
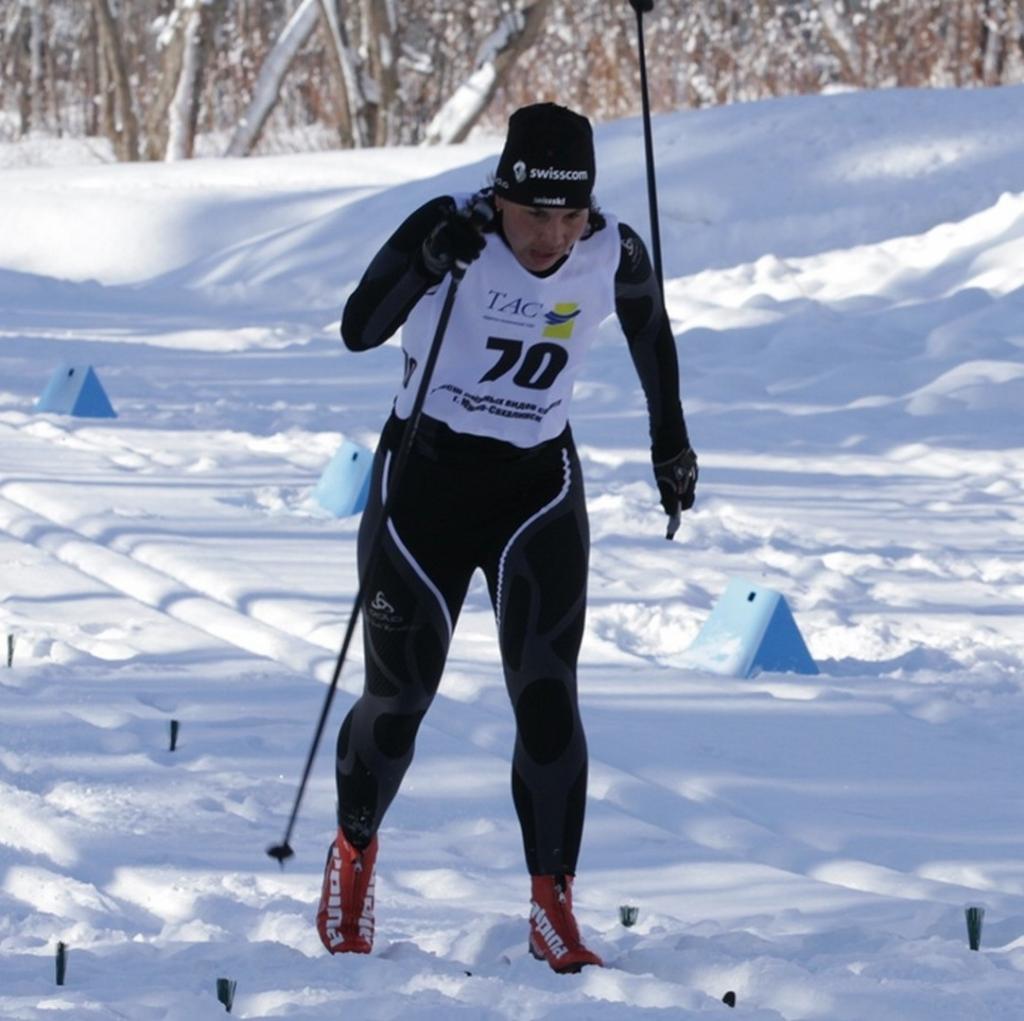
540,237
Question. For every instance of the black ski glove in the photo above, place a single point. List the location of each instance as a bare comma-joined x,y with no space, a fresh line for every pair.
456,241
677,482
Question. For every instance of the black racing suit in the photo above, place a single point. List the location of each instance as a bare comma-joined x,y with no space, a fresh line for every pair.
466,502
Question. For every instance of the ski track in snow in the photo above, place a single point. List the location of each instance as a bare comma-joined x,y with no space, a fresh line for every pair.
126,575
164,580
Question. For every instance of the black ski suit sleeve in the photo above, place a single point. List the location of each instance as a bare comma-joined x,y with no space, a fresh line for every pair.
394,281
641,312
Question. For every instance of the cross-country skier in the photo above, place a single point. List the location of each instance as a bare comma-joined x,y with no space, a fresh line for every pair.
493,482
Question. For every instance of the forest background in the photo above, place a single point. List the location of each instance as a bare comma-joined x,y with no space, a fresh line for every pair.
172,79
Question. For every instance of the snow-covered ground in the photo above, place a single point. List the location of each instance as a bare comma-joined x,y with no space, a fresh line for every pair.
846,278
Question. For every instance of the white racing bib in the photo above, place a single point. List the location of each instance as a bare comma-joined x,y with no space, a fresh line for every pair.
515,342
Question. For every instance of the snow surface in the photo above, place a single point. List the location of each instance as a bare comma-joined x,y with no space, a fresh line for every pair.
846,279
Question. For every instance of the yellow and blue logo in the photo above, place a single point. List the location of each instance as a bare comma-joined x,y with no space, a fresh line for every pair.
561,320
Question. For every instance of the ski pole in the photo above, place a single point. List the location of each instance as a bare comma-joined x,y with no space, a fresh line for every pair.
283,851
641,7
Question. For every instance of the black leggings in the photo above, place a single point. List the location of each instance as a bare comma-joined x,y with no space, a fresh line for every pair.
463,503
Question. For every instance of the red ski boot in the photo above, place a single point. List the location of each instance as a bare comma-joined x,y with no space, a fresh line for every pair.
344,919
554,935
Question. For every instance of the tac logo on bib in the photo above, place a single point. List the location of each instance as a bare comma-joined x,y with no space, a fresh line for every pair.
561,320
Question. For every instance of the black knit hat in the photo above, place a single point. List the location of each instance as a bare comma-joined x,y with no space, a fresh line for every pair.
548,159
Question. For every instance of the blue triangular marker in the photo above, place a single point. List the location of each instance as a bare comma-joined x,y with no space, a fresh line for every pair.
76,390
344,486
750,629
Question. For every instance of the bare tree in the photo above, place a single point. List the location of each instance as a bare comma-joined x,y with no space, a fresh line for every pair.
517,31
272,73
197,32
37,66
150,74
1000,31
352,102
16,31
841,39
121,124
172,41
382,42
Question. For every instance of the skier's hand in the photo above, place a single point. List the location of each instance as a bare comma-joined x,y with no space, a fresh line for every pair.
677,483
454,243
